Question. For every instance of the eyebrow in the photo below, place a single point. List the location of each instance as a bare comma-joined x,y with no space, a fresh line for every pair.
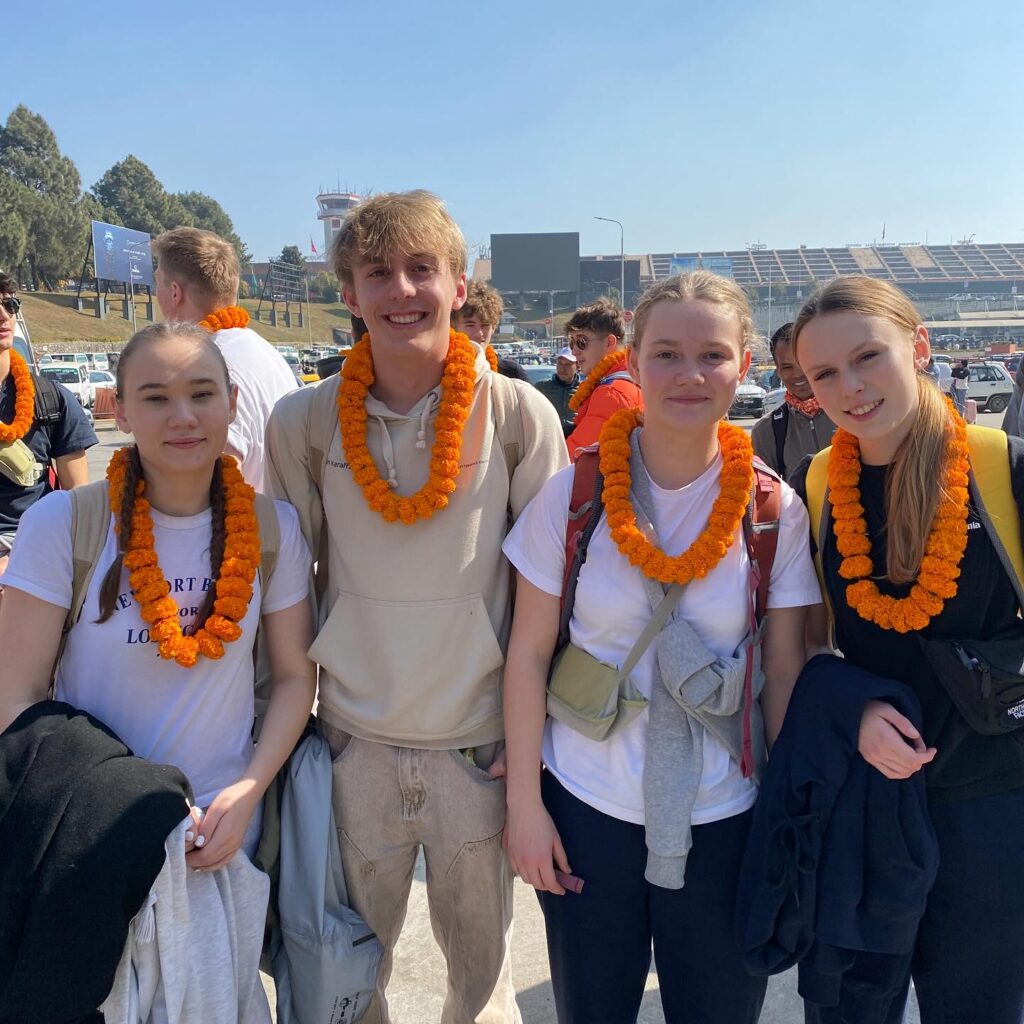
155,386
853,352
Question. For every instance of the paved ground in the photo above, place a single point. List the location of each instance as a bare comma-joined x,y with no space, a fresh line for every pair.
417,989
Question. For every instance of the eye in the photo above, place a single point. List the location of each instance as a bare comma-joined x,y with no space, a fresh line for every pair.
378,272
867,355
202,394
155,398
665,353
823,374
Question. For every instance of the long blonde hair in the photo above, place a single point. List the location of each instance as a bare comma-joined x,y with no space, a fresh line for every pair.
911,497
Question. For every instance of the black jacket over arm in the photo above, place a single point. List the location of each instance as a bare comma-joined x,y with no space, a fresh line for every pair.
82,830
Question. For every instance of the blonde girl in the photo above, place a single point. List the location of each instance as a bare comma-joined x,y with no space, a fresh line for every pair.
653,816
922,568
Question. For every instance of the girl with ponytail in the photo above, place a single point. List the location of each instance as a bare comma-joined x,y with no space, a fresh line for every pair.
163,651
910,559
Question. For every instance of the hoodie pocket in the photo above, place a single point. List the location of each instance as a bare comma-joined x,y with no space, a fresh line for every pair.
411,669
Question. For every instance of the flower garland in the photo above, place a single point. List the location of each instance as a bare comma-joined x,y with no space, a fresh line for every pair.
947,540
735,483
810,407
234,586
222,319
492,358
24,401
607,365
457,383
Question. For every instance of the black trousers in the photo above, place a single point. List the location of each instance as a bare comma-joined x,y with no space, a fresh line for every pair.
600,941
968,960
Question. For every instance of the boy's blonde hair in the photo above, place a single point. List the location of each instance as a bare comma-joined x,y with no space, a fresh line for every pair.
200,260
483,303
410,222
702,286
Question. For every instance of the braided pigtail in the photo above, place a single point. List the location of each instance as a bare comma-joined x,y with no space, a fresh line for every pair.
218,539
112,579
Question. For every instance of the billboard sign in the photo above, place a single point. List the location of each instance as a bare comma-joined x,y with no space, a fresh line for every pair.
720,265
541,262
122,254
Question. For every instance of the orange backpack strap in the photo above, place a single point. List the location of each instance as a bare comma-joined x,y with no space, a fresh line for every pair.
585,507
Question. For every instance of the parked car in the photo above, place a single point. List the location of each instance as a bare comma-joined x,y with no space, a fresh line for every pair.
75,378
990,385
102,379
748,402
535,374
773,400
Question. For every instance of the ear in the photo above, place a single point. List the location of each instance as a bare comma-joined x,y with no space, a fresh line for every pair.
611,343
233,402
922,347
348,293
744,364
460,293
120,418
633,362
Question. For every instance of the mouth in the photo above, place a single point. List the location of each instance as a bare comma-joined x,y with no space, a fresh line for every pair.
861,412
688,399
185,443
404,319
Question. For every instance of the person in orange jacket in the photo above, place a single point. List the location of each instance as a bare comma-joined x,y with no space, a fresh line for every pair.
595,334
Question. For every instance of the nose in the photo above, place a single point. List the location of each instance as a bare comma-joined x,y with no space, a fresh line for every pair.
689,371
850,383
402,285
182,413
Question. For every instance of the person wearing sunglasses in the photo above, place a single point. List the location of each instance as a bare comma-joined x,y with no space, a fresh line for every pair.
41,423
595,334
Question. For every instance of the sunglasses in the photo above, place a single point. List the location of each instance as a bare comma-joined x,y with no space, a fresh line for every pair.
579,343
10,305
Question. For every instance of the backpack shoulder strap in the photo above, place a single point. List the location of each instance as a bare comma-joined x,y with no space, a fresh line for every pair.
817,507
270,538
990,473
507,411
762,532
47,401
585,508
780,427
321,426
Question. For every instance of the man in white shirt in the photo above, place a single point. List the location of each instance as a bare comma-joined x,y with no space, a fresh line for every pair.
197,279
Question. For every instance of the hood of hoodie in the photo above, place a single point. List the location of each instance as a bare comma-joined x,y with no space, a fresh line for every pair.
401,443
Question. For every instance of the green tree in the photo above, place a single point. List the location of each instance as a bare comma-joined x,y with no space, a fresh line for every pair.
326,286
208,214
291,254
135,195
45,220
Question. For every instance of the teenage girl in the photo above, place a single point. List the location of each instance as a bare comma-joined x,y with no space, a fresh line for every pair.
176,686
862,345
661,800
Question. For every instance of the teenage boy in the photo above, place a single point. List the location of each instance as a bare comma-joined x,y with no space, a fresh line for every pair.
595,334
478,319
55,430
197,278
408,504
798,427
560,387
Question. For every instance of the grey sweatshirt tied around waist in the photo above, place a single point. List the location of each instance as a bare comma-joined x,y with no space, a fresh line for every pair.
694,689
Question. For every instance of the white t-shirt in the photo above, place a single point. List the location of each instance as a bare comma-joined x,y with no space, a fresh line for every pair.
611,610
262,377
199,719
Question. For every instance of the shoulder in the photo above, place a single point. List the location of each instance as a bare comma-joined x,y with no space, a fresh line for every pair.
616,394
51,513
762,426
293,408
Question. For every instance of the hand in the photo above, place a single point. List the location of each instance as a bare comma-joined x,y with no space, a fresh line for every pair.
220,835
498,765
882,742
193,831
534,848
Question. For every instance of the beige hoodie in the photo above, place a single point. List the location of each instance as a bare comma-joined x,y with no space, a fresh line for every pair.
415,621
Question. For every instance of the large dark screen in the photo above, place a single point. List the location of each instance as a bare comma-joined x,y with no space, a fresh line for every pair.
548,262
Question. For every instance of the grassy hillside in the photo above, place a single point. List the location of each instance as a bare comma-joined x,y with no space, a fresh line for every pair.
55,325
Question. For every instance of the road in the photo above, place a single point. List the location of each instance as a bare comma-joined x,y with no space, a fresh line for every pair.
417,991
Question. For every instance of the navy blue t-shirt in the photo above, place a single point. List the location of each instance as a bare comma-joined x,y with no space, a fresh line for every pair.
71,433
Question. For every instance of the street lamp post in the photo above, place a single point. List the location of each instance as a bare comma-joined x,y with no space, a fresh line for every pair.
622,259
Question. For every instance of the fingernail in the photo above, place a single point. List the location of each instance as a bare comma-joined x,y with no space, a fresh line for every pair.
189,836
201,841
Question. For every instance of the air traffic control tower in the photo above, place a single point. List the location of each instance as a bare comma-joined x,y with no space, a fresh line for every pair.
332,208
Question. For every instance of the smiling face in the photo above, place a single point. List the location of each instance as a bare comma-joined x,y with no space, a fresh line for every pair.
689,363
7,319
406,301
790,373
863,370
176,400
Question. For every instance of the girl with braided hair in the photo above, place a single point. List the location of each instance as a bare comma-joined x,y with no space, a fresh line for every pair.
162,651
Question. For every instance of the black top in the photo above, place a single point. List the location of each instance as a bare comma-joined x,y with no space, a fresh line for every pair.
71,433
967,764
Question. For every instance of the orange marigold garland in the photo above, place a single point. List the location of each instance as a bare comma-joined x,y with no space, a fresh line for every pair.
24,401
457,383
735,483
492,358
234,585
609,364
222,319
944,550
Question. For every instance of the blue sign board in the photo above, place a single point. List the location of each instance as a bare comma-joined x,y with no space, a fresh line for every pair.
720,265
122,254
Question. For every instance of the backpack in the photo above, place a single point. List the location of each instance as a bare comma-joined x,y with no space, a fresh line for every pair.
780,427
46,413
760,532
322,425
90,523
991,491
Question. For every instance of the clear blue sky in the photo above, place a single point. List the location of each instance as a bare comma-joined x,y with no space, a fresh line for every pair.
700,125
